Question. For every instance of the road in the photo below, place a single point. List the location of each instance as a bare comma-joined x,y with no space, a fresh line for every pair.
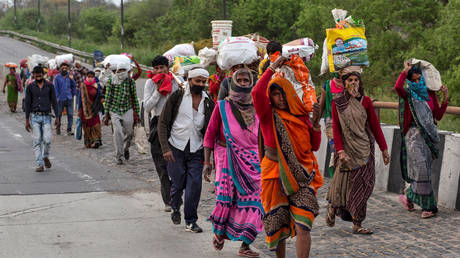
87,206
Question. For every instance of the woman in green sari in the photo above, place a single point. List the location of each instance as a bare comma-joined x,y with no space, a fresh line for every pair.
419,111
13,82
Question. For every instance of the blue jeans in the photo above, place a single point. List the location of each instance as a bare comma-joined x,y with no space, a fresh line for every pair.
68,105
186,174
41,132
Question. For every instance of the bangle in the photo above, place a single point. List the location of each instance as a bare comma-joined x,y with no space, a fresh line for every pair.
317,128
206,163
271,68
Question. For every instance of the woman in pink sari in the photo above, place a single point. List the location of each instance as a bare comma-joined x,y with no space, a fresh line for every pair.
233,135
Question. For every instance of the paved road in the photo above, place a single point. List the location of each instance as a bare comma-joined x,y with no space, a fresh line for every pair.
128,223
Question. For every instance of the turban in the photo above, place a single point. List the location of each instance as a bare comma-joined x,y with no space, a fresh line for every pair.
198,72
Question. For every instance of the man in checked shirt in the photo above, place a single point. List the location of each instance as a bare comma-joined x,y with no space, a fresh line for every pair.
122,107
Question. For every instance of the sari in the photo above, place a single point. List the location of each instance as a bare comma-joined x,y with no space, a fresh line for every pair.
418,149
90,106
353,183
238,213
14,87
289,183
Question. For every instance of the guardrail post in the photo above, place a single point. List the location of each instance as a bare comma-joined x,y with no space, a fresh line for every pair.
38,20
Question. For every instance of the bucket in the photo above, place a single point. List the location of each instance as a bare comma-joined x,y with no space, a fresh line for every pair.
220,31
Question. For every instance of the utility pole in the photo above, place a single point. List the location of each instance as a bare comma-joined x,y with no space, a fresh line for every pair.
122,27
224,8
69,24
38,20
15,19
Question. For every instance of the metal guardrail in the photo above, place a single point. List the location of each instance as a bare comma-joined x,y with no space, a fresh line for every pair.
64,49
89,56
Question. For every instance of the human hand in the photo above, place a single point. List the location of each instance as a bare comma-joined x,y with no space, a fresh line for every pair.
136,118
343,156
28,127
445,91
386,157
106,119
207,172
279,62
3,91
169,156
316,114
407,66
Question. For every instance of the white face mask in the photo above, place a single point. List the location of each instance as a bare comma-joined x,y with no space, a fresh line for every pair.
97,74
122,76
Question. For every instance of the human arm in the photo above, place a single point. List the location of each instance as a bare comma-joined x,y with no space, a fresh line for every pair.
57,86
213,130
438,112
337,131
151,95
164,121
374,123
322,100
108,102
399,86
139,70
135,101
315,128
260,98
54,104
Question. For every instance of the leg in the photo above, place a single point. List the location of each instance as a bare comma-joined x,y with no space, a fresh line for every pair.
69,108
193,188
37,139
117,135
59,115
177,173
161,168
281,250
128,129
302,243
47,135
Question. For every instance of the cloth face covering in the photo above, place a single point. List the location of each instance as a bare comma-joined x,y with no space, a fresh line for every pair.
418,90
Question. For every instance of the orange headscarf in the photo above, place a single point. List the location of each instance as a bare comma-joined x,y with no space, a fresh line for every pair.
304,168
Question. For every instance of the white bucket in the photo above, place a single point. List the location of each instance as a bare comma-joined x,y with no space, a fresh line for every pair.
220,31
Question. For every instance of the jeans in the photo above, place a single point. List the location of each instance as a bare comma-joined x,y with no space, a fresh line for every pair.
186,174
41,131
68,105
123,131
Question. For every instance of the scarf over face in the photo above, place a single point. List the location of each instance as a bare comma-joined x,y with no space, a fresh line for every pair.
164,82
418,90
240,100
297,163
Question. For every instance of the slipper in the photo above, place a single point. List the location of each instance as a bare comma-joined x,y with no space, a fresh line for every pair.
428,214
405,202
218,244
362,231
247,253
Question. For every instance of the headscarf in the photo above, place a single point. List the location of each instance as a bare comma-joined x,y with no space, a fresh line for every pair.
342,99
240,100
198,72
418,90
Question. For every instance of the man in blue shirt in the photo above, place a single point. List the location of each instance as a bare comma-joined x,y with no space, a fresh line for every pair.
66,89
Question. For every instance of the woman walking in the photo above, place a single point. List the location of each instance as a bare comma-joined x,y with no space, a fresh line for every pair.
419,111
355,125
13,82
233,134
89,107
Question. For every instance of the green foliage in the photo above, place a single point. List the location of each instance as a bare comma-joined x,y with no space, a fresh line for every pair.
97,24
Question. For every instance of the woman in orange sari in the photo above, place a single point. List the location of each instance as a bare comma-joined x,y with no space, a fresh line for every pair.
290,174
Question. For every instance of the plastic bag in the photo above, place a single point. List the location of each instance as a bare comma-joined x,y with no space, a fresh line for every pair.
52,64
140,139
346,47
236,50
36,60
430,73
183,64
114,60
68,59
207,56
305,52
180,50
324,59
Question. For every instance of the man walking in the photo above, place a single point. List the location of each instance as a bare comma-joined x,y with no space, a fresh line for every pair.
66,89
39,100
123,107
181,129
156,91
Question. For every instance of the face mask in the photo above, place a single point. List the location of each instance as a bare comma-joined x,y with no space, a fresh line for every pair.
63,73
196,89
122,76
97,74
39,80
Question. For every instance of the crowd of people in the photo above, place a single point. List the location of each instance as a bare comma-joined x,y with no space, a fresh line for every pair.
254,130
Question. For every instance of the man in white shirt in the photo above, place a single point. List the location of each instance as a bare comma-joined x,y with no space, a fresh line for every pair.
181,129
156,91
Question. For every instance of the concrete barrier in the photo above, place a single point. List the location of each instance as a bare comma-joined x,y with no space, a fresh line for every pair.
445,170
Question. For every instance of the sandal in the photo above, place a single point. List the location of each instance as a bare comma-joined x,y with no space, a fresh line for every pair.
428,214
330,217
218,244
406,203
247,253
362,231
